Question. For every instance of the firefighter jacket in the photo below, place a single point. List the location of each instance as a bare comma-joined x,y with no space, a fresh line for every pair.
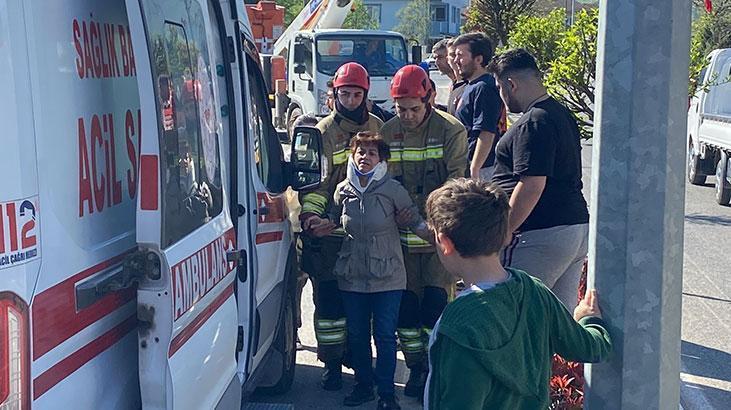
423,159
336,134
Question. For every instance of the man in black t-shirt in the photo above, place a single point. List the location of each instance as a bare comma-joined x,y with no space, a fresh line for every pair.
538,164
480,107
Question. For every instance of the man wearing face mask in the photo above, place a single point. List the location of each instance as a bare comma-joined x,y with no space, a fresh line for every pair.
428,147
320,244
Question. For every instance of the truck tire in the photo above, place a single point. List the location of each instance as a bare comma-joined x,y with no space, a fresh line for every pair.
286,345
723,188
695,175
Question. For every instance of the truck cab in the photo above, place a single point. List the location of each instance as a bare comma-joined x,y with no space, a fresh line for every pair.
315,55
145,255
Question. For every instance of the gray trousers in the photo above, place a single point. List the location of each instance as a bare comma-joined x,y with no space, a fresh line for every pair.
554,255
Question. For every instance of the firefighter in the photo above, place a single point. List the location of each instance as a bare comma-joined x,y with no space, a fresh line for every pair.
428,147
320,244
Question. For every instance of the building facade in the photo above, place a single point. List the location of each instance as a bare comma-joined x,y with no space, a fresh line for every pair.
446,16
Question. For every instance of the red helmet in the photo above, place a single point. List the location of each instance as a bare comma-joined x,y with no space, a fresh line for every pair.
353,75
410,81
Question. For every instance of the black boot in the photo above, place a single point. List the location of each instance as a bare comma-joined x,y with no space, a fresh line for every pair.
360,394
415,385
388,403
332,376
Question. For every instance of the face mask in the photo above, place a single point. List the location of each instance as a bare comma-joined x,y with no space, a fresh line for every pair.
359,115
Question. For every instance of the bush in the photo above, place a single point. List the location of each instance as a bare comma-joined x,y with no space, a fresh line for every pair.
567,57
567,378
709,32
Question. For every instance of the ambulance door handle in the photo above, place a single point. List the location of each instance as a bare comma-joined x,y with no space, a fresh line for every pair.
239,258
126,275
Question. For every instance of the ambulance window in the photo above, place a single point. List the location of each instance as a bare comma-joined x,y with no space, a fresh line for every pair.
187,112
267,151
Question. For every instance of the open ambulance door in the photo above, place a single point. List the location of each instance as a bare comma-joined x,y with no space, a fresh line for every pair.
271,346
187,310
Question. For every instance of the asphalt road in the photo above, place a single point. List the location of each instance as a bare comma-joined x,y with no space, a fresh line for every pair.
706,331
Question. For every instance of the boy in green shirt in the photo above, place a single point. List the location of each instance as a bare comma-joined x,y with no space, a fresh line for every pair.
492,346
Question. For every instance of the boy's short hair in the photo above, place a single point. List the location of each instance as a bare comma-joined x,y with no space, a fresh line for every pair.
371,138
512,61
479,45
473,214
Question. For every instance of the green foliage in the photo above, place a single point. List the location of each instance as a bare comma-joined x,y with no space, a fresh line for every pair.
414,21
496,18
359,18
709,32
540,35
567,57
291,9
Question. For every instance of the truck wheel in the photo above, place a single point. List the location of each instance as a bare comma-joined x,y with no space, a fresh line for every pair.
286,345
695,176
723,188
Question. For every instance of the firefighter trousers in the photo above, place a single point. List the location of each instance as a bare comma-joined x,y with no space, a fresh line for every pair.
318,260
427,289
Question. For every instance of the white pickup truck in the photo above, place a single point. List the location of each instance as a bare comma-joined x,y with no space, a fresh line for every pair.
709,126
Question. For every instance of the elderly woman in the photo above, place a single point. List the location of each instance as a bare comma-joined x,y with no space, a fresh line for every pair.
370,266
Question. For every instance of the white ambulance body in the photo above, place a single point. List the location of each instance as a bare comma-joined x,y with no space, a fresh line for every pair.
145,255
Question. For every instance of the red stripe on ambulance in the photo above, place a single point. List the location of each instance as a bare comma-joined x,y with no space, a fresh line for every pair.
74,361
55,318
198,274
266,237
196,324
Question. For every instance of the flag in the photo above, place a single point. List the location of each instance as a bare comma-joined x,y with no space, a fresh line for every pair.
709,6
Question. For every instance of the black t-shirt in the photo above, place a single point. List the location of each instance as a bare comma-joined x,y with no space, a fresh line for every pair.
545,141
479,110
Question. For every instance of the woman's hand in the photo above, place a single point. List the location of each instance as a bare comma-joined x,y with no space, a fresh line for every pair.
318,227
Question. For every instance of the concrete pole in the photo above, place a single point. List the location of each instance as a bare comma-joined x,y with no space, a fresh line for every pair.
638,199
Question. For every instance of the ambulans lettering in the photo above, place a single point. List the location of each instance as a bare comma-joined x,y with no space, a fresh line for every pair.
18,232
100,186
196,275
100,47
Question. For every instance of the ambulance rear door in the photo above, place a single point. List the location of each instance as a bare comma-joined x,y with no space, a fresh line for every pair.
186,304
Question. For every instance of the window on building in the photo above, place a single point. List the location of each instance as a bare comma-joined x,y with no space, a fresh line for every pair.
374,10
439,13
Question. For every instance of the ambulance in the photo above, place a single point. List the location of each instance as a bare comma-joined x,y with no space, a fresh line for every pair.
146,259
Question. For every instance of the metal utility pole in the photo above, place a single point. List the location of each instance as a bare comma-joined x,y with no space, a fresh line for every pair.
637,200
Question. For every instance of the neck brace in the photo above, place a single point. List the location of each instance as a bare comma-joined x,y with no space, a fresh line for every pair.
376,174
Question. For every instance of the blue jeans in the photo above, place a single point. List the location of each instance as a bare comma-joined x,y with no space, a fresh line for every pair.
383,309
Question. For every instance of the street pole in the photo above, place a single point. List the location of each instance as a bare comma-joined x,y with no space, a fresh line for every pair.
637,200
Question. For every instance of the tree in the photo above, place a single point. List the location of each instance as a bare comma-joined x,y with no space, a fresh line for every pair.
359,18
567,57
415,21
709,32
496,18
291,9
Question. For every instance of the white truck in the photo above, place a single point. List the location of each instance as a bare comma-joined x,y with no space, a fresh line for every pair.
709,126
145,255
314,45
314,56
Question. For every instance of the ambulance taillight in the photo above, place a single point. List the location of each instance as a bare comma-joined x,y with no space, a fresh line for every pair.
14,354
